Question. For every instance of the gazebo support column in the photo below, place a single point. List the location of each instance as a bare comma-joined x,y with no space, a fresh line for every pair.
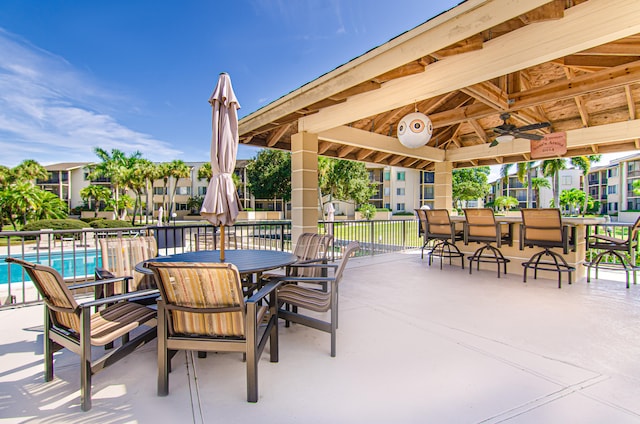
304,184
442,185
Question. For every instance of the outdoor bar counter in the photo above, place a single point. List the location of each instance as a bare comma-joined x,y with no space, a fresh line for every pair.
517,257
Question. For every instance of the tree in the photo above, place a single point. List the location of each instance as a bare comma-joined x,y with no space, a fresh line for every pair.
584,164
469,184
573,199
29,170
344,180
551,168
269,175
536,184
97,193
505,202
178,169
113,166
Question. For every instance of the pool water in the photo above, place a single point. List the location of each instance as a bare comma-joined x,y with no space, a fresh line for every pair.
83,264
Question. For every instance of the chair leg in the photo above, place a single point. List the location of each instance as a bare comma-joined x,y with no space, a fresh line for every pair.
274,355
48,348
252,353
85,359
163,355
334,318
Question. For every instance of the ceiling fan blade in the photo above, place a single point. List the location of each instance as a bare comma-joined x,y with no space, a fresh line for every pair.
501,130
534,126
494,143
528,136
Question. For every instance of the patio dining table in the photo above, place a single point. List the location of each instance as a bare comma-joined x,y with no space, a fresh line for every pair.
248,261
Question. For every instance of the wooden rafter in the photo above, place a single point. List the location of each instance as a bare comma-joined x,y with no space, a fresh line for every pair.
323,147
582,109
488,94
630,102
275,135
550,11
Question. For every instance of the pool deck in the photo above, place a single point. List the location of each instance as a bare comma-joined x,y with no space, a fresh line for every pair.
415,345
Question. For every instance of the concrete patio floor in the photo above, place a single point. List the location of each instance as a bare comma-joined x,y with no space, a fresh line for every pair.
415,345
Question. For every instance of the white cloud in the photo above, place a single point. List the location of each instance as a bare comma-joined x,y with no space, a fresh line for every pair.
51,112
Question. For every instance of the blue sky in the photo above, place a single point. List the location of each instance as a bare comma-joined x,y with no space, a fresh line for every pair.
137,74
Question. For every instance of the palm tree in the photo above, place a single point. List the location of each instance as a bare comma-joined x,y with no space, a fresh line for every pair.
164,172
113,166
584,164
29,170
50,206
178,170
97,193
205,171
551,168
536,184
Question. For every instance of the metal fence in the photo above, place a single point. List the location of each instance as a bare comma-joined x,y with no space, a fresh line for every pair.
76,253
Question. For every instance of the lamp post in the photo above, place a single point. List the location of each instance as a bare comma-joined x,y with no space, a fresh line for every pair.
173,215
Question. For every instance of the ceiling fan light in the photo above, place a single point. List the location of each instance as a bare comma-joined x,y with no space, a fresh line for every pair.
505,138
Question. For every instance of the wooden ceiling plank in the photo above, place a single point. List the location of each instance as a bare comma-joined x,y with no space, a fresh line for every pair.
396,159
345,150
363,154
380,156
323,147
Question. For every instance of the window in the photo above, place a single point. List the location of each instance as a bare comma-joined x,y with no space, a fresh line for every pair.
202,191
428,177
183,191
159,191
612,189
427,193
387,175
400,191
612,172
181,207
387,206
400,207
387,191
612,206
400,176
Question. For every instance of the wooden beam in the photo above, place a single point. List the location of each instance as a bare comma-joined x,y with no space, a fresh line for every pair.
345,150
323,147
631,104
396,160
596,61
586,25
479,130
488,94
363,154
275,135
576,139
622,47
380,156
378,142
549,11
470,44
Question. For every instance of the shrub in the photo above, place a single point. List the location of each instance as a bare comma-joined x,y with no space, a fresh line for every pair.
368,211
54,224
110,223
404,213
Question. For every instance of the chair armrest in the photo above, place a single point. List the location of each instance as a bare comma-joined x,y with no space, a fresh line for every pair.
313,265
120,297
263,292
98,282
103,274
303,280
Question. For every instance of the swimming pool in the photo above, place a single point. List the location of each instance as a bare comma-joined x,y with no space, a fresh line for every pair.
83,264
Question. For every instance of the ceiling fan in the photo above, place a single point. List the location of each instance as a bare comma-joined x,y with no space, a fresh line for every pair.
508,132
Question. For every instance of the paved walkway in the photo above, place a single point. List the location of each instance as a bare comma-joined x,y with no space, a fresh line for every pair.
415,345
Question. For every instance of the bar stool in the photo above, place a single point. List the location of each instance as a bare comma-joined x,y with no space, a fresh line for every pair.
437,226
543,228
623,251
481,227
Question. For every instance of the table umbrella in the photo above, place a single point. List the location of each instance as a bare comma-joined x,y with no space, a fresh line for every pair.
221,204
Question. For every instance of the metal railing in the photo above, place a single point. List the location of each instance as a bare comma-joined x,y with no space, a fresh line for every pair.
76,253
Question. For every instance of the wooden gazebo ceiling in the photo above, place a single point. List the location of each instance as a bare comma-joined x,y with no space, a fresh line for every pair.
588,88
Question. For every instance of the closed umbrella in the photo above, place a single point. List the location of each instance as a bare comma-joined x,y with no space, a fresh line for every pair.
221,204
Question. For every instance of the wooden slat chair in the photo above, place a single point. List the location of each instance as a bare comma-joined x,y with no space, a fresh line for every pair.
439,228
202,308
304,293
623,249
543,228
119,258
481,227
73,326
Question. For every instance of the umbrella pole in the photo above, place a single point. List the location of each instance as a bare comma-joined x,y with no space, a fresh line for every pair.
221,243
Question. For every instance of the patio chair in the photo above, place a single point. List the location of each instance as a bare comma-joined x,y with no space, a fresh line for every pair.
310,248
119,258
623,250
481,227
71,325
202,308
304,293
543,228
437,227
